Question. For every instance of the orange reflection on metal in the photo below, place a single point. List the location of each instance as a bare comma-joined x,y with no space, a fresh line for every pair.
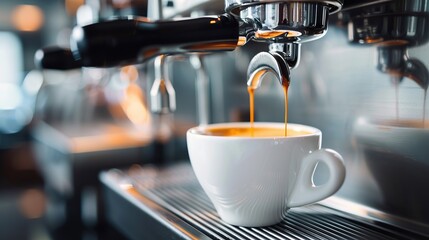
111,137
27,18
73,5
32,203
129,73
134,106
212,46
133,103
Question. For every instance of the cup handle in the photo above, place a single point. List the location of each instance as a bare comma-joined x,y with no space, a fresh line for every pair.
305,192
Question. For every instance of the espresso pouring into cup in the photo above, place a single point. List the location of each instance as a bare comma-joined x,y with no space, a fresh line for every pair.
254,172
253,181
266,186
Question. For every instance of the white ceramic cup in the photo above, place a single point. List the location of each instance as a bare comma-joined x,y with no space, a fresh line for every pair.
253,181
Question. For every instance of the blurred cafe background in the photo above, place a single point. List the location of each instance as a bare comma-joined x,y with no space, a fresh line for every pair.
71,136
58,129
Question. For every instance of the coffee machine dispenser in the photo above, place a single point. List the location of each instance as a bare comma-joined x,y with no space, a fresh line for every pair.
343,86
282,24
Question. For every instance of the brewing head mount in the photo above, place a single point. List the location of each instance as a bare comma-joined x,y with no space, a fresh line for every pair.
282,21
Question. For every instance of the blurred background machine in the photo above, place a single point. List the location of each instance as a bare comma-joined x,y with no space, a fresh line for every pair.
364,84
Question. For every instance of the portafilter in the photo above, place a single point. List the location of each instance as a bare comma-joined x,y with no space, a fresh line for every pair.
131,40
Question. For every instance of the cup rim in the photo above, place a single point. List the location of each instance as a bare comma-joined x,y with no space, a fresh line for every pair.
392,124
196,131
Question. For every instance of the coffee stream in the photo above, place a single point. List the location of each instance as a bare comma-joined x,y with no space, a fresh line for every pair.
424,109
397,100
397,104
285,92
252,108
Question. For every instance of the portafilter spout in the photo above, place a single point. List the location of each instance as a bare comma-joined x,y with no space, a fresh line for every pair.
267,62
162,94
394,60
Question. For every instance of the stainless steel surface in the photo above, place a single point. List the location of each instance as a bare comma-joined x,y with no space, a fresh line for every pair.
182,8
163,96
393,27
174,198
238,5
393,22
155,9
290,51
283,21
202,88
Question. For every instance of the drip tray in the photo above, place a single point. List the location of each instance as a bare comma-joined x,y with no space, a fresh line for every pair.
168,203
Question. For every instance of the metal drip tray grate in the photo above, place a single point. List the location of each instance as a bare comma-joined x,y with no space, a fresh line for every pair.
177,191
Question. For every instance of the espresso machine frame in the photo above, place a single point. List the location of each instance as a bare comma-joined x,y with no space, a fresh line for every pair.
364,84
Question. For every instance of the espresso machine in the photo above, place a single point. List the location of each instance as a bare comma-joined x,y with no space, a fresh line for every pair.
363,83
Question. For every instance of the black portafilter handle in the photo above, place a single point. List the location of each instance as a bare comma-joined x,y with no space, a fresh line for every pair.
133,40
56,58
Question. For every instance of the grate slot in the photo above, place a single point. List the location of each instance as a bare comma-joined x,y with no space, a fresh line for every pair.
301,230
368,226
341,230
263,234
345,229
371,229
271,232
283,235
315,231
330,229
292,232
323,231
